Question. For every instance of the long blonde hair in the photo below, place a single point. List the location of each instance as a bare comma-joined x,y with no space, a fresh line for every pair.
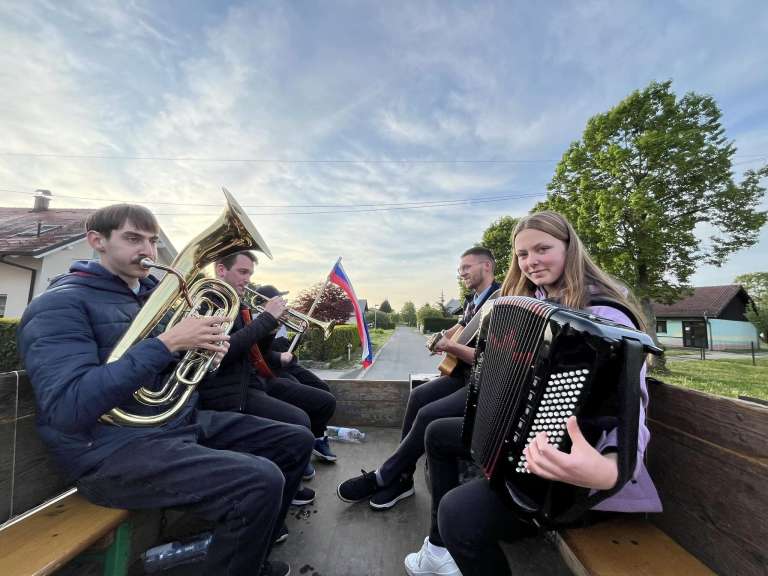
582,278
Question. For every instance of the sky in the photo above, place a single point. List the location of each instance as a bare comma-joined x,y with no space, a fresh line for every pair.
391,134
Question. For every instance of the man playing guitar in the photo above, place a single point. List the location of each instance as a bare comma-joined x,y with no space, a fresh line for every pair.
442,397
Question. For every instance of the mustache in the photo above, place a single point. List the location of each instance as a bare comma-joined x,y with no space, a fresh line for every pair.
139,258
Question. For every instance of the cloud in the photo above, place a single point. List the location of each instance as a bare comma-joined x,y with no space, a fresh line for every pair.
250,96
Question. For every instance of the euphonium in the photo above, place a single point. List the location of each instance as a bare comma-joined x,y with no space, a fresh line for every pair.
293,319
187,292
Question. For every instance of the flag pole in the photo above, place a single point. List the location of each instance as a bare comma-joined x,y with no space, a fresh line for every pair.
298,335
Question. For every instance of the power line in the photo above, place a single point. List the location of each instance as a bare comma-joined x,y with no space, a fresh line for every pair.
277,160
415,203
380,209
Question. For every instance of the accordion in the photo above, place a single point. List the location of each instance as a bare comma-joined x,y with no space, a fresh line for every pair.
537,364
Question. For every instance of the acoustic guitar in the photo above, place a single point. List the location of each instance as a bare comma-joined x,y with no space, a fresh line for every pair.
463,336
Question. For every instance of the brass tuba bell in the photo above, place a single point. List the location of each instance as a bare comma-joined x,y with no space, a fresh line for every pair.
186,291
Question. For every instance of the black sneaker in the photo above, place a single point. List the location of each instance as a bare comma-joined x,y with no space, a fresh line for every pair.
282,534
392,494
303,496
322,449
275,568
358,488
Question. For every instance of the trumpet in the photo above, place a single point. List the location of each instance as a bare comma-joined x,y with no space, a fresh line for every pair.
293,319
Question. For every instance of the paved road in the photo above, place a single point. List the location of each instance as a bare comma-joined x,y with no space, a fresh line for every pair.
404,353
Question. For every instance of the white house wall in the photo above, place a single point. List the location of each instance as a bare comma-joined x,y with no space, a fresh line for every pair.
59,261
673,337
732,335
721,334
14,283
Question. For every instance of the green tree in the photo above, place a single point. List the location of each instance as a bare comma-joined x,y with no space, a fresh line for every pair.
641,180
385,307
756,285
408,314
440,305
427,311
498,239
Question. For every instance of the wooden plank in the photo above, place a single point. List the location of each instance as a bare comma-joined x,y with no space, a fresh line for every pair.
27,473
47,540
369,402
8,397
628,546
735,424
715,500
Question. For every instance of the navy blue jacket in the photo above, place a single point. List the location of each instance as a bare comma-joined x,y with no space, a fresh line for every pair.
65,337
227,388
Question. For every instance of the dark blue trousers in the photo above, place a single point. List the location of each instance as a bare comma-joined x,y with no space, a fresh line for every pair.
237,471
442,397
468,519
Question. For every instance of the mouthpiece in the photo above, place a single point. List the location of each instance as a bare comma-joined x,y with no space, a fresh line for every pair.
146,263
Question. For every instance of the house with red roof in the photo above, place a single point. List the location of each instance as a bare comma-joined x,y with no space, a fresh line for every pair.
39,243
710,317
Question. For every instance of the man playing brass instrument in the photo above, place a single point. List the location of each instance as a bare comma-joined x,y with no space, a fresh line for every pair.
237,471
272,392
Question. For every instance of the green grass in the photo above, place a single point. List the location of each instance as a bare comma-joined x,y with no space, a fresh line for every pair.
378,336
732,377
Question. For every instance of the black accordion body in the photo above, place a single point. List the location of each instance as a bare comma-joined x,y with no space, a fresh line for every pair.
536,364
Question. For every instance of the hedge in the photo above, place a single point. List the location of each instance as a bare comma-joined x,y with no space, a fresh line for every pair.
313,347
383,320
437,324
9,355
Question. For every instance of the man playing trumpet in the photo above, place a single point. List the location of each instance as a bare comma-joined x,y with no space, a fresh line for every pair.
243,384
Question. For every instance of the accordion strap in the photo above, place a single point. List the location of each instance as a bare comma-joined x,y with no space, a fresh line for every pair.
605,301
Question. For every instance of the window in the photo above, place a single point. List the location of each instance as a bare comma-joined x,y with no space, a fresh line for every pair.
661,326
3,300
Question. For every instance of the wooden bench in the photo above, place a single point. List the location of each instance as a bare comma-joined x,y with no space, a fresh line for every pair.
709,459
52,530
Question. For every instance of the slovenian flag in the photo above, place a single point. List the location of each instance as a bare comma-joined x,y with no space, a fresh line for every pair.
340,278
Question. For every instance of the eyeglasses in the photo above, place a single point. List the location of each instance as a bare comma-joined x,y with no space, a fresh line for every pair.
467,267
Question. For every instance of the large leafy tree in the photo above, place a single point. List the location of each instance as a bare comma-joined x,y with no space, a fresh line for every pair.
756,285
498,239
649,177
386,307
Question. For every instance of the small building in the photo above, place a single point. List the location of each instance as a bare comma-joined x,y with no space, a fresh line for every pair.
710,317
38,244
454,307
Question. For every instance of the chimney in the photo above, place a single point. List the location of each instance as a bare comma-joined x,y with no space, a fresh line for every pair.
42,200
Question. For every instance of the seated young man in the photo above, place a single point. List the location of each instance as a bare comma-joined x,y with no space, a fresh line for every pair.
439,398
241,387
285,364
237,471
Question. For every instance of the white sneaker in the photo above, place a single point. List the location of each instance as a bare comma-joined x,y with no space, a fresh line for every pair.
424,563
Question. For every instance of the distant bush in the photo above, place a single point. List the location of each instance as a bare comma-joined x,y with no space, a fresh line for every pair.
383,320
9,354
313,347
437,324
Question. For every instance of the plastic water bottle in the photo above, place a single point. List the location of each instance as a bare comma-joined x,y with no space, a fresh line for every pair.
345,434
176,553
